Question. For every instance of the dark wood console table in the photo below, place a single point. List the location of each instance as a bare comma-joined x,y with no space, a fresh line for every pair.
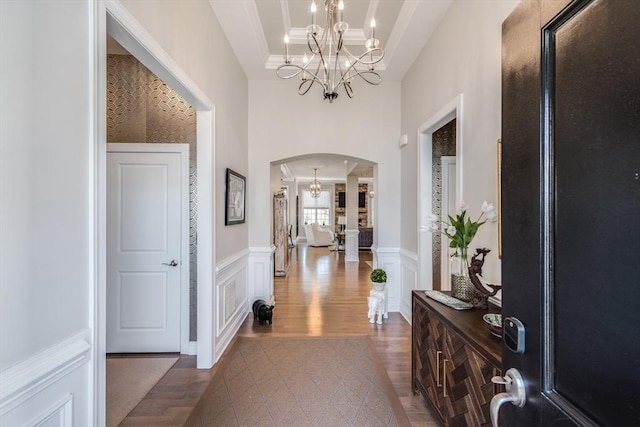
453,359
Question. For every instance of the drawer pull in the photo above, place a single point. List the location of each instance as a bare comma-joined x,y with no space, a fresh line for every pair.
438,353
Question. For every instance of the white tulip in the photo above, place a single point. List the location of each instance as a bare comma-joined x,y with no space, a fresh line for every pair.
451,230
488,207
492,216
463,206
433,218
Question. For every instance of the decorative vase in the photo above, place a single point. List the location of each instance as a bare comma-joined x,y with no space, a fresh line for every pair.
461,286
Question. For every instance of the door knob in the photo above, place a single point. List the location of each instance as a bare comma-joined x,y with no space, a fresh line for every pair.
173,263
515,393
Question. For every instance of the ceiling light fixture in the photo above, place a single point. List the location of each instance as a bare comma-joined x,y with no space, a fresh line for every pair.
315,187
336,65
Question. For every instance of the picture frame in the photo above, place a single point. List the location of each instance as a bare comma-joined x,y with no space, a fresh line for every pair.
235,198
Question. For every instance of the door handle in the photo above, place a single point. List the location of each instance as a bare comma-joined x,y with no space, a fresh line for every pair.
515,393
173,263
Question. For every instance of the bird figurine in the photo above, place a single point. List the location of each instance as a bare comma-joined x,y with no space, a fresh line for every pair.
475,269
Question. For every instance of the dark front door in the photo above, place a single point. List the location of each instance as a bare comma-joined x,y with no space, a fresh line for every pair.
571,209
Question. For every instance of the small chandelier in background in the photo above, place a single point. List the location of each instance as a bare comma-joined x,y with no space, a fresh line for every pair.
336,65
315,187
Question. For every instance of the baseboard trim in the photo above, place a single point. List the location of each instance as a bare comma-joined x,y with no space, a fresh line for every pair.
28,378
193,348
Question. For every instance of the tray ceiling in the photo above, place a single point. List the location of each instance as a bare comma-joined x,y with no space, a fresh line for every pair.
255,29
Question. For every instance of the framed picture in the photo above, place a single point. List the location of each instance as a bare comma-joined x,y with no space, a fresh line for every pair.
235,198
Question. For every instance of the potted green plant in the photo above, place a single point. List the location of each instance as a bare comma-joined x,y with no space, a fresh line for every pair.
379,278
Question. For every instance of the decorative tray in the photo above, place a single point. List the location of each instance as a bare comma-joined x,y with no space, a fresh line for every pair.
447,300
494,323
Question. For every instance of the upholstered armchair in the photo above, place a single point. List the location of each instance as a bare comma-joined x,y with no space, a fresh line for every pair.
318,236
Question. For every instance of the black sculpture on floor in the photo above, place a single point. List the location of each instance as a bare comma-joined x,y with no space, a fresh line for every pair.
475,270
262,312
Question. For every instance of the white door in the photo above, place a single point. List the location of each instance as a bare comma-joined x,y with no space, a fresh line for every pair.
145,205
448,207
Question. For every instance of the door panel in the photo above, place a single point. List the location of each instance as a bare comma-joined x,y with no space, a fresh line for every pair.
596,148
571,210
428,355
143,213
144,208
469,387
148,287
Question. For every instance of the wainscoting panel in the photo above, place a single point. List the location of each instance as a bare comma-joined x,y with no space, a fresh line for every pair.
50,388
60,414
260,274
409,278
389,260
351,246
231,298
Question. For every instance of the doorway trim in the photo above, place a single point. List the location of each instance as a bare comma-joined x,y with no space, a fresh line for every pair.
451,110
110,16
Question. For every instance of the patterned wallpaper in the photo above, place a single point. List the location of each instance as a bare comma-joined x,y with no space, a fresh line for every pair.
443,144
142,109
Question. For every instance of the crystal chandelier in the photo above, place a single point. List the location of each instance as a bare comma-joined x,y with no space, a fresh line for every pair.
334,64
315,187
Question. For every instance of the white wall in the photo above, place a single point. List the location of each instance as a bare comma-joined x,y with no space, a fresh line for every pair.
462,57
284,124
190,32
46,180
191,35
47,269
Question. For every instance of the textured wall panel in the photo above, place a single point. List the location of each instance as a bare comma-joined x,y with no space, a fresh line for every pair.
443,144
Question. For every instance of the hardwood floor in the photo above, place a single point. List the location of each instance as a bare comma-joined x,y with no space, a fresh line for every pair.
320,297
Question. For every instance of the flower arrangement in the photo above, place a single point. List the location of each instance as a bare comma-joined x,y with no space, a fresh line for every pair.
461,230
378,275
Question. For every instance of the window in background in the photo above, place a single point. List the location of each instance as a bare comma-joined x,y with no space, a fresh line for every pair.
316,210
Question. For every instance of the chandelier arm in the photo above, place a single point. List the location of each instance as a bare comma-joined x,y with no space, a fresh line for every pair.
305,86
366,76
316,77
348,76
319,45
313,76
360,60
320,53
348,89
287,67
337,71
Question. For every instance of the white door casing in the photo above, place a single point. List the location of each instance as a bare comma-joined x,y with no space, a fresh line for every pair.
452,110
147,247
448,206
